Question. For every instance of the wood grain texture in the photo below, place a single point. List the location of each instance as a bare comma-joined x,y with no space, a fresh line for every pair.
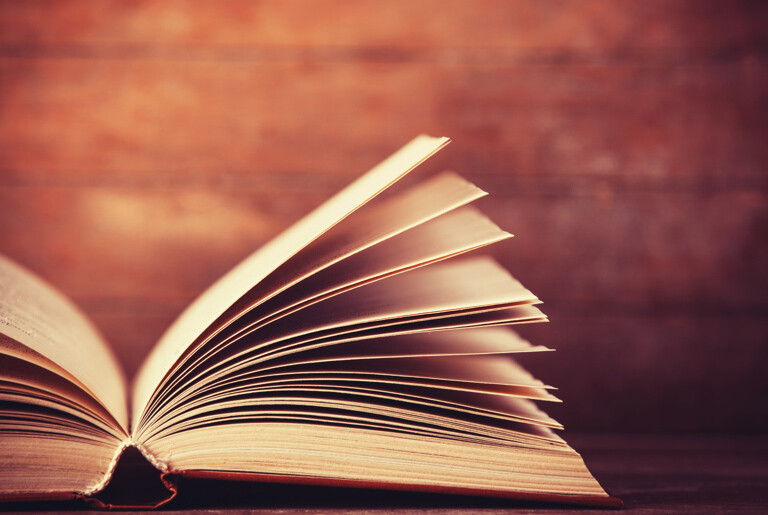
147,146
221,122
436,25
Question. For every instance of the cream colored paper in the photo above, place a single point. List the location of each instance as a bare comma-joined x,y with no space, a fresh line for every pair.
38,317
211,304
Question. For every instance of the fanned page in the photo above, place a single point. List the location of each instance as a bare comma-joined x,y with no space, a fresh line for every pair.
209,306
366,346
61,392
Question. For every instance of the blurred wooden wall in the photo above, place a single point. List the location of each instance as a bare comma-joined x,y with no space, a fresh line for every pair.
147,146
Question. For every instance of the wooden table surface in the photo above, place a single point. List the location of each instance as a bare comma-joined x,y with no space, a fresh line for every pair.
652,474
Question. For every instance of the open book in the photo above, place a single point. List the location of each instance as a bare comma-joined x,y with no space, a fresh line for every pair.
366,346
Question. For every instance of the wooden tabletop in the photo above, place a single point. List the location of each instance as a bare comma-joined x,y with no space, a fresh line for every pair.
652,474
674,474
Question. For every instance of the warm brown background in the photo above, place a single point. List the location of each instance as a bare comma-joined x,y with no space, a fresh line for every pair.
147,146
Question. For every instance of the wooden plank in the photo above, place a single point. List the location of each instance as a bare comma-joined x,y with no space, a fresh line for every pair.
660,373
139,123
679,26
656,474
121,251
650,252
629,253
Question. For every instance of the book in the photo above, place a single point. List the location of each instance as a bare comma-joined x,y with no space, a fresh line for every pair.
369,345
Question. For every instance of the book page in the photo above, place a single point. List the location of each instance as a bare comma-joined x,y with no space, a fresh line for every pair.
33,383
211,304
455,285
477,341
359,456
416,209
33,465
442,237
434,292
41,319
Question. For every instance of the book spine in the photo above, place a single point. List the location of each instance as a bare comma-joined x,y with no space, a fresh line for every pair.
98,487
135,479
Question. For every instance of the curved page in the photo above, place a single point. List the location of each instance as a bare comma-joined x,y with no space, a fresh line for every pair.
42,320
211,304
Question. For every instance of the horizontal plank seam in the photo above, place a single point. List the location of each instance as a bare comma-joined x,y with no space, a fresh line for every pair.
565,184
384,54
